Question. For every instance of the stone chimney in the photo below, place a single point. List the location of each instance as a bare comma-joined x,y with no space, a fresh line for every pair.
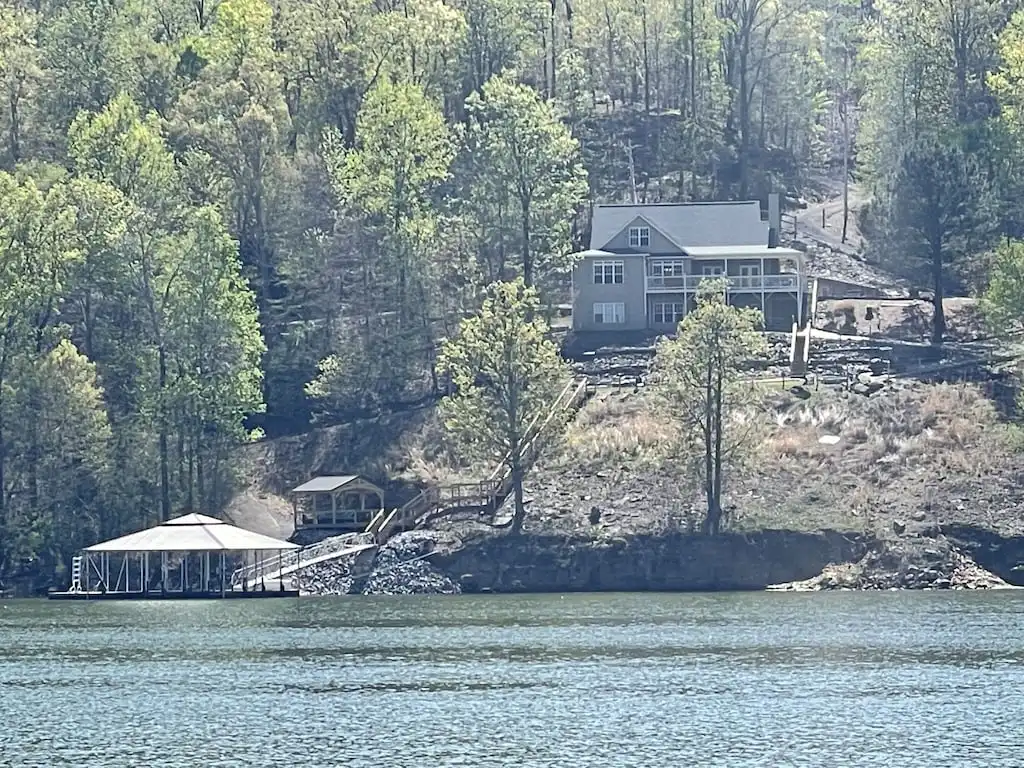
774,220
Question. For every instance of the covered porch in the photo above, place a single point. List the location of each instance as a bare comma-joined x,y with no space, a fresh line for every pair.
341,503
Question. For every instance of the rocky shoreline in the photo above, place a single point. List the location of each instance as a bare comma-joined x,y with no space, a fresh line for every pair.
438,563
910,564
400,567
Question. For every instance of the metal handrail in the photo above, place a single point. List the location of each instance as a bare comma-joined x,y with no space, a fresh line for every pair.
292,558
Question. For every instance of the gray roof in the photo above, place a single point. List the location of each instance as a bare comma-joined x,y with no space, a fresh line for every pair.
192,533
685,224
325,484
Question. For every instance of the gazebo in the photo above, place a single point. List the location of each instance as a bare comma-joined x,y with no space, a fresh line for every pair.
172,561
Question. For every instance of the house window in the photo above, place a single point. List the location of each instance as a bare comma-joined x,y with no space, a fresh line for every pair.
750,270
608,272
668,268
610,313
668,312
712,270
639,237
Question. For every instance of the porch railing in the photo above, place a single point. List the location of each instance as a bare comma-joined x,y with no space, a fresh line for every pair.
783,282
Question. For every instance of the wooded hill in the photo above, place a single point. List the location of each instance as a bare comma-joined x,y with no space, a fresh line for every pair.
225,217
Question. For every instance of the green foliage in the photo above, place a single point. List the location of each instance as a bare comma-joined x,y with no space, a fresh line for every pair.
1003,301
218,203
527,181
942,208
506,375
699,382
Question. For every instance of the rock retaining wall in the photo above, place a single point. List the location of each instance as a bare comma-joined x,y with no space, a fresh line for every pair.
675,562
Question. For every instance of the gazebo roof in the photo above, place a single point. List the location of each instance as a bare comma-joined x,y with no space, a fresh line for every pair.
330,483
192,533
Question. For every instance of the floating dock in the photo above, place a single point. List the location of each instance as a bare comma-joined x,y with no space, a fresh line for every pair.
172,561
227,595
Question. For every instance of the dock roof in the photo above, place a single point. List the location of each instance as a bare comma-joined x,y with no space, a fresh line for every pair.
192,533
325,484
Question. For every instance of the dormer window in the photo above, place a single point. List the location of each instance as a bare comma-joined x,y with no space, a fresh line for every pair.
639,237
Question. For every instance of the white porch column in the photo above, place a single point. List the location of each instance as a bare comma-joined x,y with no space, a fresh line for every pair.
764,303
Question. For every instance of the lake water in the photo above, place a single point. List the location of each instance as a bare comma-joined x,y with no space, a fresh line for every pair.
828,679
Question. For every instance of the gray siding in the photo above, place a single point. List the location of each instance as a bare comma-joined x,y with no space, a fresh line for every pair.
659,243
668,298
631,293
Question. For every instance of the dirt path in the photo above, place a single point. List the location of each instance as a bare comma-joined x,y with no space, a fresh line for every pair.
828,255
809,220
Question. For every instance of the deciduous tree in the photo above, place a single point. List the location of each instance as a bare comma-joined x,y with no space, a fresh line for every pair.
698,379
527,180
506,376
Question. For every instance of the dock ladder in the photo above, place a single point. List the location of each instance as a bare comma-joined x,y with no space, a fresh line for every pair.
76,574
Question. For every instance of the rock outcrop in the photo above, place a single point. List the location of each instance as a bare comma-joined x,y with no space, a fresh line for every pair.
670,562
904,564
401,567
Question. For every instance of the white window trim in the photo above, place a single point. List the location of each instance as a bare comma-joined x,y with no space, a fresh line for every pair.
604,265
750,270
617,310
712,270
642,234
676,310
678,268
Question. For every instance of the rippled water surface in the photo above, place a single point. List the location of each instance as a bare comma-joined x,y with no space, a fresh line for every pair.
842,679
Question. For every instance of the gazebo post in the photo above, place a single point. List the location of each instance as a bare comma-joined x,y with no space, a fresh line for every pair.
280,571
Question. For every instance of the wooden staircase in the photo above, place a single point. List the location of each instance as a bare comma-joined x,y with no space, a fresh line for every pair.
800,347
486,495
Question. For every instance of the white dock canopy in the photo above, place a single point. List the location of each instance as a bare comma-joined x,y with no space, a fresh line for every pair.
193,533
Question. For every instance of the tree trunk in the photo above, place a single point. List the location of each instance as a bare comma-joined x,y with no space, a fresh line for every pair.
527,254
715,519
3,457
846,174
519,514
939,316
554,49
165,479
709,455
647,61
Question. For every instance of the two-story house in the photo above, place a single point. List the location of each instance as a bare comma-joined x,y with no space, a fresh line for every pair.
645,262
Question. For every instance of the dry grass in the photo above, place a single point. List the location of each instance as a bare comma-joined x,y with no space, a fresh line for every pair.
945,423
616,426
915,451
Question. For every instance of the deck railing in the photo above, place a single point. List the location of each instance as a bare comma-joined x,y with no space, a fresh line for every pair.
488,493
784,282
